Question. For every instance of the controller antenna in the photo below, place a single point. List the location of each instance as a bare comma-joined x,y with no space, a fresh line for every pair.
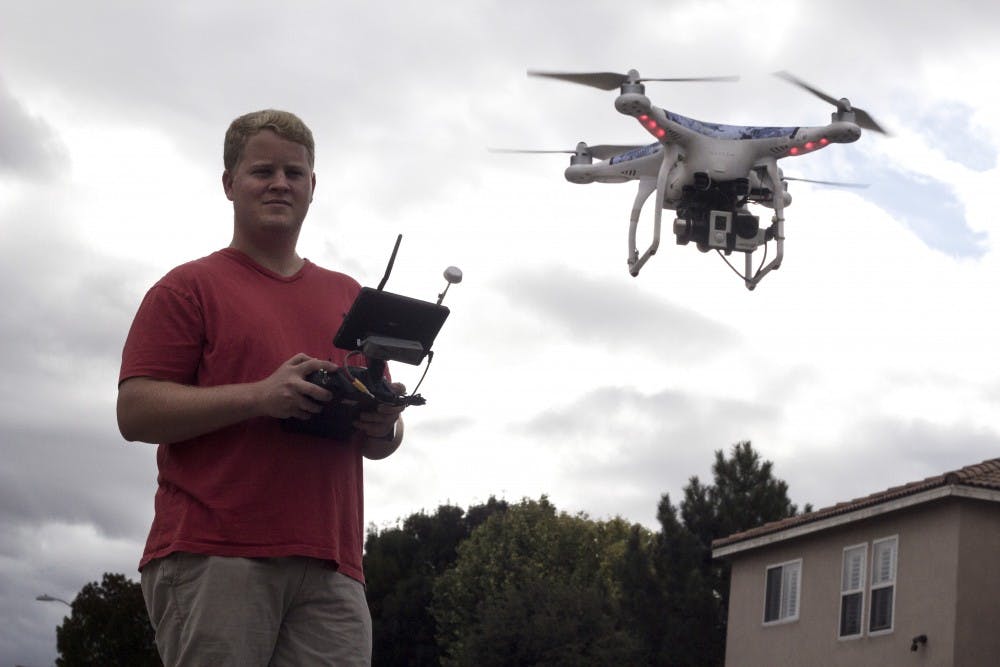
453,275
392,259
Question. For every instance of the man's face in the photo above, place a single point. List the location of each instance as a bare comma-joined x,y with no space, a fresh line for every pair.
271,187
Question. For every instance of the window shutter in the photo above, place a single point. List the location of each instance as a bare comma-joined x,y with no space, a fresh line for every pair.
790,590
884,565
854,569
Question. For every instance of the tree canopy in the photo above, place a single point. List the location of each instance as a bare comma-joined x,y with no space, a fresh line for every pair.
108,627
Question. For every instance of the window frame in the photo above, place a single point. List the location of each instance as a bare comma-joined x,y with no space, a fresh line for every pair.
790,618
882,585
845,592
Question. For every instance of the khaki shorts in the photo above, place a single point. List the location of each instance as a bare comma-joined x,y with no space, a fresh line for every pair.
255,612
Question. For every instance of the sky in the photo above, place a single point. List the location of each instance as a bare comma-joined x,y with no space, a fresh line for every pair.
868,360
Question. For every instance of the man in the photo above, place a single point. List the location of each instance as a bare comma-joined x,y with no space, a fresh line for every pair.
254,554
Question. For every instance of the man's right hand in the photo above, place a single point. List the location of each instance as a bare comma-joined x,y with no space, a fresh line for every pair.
287,393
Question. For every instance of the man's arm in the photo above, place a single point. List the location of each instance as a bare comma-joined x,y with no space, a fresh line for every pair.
383,428
160,411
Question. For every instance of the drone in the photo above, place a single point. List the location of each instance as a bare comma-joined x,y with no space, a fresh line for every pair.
708,173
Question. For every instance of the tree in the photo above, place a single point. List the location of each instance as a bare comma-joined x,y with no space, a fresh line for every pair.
535,587
401,565
673,591
745,494
108,626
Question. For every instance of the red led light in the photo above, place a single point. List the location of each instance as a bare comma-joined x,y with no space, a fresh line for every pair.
651,124
643,118
824,141
810,145
794,150
660,132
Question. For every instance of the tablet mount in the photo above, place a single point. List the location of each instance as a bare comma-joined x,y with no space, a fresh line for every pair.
380,326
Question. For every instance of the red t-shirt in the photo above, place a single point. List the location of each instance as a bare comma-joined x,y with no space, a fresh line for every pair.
251,489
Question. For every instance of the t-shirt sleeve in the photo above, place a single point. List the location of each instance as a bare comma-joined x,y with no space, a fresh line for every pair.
166,338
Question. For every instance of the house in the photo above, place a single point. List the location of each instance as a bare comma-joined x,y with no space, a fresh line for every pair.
906,576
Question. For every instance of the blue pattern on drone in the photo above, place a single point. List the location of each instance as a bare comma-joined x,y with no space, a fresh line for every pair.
737,132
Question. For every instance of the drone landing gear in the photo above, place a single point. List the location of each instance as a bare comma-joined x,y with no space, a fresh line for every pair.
751,277
635,262
777,229
646,188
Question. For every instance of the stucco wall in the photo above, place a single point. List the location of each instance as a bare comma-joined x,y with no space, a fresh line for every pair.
977,630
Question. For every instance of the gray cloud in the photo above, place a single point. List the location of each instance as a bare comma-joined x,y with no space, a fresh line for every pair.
590,310
29,148
650,444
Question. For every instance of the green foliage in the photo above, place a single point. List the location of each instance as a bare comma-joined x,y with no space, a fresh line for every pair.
535,587
528,585
108,626
400,567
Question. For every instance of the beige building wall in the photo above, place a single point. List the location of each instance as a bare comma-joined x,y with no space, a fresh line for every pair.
977,630
925,598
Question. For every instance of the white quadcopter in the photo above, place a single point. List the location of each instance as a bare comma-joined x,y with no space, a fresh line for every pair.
707,172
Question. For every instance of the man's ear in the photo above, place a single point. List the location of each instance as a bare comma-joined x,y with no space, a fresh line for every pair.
313,191
227,184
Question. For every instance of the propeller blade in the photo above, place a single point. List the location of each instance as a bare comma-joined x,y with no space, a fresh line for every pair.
839,184
600,151
866,122
861,117
612,80
726,79
818,93
602,80
525,150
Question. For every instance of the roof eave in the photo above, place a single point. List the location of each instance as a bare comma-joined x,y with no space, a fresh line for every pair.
896,504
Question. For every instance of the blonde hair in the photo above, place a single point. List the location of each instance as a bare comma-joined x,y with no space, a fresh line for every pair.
283,123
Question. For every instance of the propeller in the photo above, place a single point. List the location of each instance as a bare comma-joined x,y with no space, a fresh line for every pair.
861,117
600,151
612,80
839,184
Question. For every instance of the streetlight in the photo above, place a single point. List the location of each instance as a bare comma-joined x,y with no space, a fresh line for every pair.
45,597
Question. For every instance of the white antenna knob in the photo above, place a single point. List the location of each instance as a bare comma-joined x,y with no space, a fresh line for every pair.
453,275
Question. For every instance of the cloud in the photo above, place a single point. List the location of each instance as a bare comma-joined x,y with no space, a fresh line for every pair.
29,147
878,453
621,449
593,311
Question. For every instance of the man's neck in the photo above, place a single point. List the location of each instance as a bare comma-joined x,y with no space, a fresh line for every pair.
283,261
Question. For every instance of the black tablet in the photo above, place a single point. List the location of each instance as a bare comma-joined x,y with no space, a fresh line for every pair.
378,313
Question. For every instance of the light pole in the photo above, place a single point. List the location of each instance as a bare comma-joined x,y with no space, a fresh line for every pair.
45,597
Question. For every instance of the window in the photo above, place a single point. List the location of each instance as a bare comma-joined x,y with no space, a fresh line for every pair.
781,592
883,584
852,590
